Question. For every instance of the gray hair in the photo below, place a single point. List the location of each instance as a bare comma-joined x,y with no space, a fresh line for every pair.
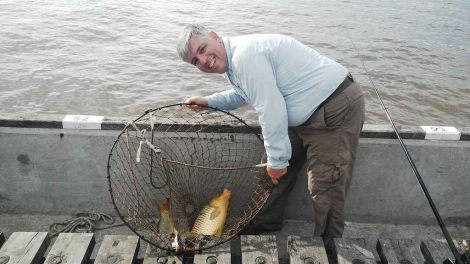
182,45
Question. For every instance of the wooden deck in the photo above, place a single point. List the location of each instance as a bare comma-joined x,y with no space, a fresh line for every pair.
30,247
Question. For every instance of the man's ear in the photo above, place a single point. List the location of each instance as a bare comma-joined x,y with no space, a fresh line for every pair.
214,35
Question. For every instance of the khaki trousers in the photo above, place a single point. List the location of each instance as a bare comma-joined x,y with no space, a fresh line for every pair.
328,142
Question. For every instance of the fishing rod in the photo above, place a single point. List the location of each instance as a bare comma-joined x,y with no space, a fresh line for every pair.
413,166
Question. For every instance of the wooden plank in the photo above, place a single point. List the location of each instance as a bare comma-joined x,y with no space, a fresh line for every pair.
118,249
25,247
156,255
399,251
436,251
71,248
353,250
259,249
306,250
2,239
218,254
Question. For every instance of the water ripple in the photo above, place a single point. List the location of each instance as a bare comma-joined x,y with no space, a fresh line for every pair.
117,58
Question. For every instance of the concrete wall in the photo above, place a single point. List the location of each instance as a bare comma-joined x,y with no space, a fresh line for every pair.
47,169
385,189
54,171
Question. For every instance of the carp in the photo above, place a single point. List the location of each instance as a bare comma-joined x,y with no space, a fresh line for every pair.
212,218
165,224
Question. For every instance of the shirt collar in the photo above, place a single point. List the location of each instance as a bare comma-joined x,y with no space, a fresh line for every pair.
228,49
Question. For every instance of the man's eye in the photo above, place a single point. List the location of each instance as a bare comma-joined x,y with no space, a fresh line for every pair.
203,49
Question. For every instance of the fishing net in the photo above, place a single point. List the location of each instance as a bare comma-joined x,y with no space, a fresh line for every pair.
186,157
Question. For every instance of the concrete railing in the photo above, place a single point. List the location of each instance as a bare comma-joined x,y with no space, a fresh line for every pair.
46,168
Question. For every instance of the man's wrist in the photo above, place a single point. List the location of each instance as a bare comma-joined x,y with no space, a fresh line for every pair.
278,165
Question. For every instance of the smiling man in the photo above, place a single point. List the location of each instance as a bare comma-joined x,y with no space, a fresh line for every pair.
309,108
209,54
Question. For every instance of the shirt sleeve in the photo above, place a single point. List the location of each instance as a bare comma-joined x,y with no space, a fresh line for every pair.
259,83
226,100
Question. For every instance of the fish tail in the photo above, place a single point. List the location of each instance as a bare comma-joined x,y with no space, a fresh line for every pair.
163,206
166,205
158,204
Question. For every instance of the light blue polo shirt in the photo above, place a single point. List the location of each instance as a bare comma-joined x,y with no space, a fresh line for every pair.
284,80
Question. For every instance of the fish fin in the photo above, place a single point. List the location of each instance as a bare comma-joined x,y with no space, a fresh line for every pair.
215,213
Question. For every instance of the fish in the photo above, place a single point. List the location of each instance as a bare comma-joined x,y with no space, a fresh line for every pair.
165,224
211,219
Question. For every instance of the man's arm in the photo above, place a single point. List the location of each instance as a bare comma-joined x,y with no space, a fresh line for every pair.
227,100
259,82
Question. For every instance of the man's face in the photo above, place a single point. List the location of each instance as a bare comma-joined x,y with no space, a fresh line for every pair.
209,54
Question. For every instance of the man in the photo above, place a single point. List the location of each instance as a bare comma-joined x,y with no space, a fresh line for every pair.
309,109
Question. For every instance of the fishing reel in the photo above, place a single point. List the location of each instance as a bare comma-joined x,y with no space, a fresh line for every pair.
166,167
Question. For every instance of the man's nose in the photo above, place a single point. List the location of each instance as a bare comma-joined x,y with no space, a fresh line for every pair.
202,59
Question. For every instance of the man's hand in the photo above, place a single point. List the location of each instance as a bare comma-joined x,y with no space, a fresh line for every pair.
201,101
276,174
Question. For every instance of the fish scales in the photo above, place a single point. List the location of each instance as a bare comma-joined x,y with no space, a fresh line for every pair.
212,218
204,225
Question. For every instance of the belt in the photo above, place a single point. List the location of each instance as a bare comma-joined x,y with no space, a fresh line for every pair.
345,84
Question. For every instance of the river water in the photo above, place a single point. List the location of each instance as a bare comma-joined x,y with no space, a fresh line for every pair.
117,58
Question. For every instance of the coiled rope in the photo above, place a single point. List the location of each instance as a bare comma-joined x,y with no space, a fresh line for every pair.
83,224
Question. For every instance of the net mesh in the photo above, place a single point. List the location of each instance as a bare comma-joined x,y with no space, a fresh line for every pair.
187,157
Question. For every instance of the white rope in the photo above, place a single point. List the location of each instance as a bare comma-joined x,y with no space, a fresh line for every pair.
144,139
175,243
152,120
157,150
